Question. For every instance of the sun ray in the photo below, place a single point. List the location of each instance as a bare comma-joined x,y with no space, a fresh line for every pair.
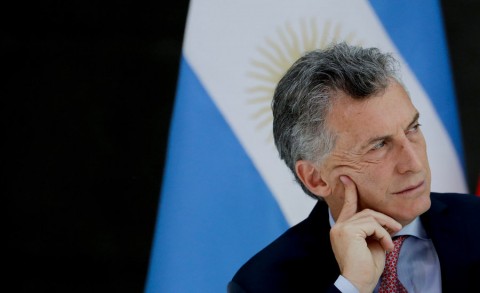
282,59
265,67
264,123
262,77
260,99
337,32
277,55
325,34
294,48
261,112
263,89
309,40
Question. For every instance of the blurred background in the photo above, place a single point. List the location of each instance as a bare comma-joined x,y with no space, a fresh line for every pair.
86,104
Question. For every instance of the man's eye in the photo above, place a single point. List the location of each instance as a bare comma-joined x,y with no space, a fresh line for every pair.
414,128
379,145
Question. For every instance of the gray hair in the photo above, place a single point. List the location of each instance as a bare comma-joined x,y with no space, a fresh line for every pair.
305,94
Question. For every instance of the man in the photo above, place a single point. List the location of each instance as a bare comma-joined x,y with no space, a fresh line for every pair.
346,127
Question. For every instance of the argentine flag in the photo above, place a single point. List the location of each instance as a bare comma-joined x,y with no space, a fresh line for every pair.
226,194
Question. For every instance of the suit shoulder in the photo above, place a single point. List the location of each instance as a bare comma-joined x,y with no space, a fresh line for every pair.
285,263
463,199
457,207
290,245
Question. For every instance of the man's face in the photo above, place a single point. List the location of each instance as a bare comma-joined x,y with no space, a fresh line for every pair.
381,148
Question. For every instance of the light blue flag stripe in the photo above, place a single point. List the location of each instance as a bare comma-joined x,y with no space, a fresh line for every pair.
215,210
416,28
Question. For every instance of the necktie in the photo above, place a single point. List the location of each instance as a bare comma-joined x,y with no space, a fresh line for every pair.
390,282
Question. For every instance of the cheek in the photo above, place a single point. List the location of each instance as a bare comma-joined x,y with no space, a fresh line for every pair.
424,156
374,182
422,149
366,175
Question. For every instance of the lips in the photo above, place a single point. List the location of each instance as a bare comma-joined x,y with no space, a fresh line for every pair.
410,188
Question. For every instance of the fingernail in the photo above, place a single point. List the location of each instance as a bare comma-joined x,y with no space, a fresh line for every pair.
344,179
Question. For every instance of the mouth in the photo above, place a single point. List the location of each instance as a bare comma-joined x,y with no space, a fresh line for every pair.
411,189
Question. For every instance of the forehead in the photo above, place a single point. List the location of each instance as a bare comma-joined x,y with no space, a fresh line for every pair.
354,122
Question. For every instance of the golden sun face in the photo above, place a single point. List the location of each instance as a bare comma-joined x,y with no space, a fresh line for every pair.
276,56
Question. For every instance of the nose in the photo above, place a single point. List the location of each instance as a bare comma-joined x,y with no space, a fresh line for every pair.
409,156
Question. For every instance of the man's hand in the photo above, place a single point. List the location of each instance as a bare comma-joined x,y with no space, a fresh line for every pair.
360,239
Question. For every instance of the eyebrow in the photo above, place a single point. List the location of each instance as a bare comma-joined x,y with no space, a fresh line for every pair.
387,137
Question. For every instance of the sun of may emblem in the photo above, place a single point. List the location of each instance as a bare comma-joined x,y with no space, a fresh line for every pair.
277,55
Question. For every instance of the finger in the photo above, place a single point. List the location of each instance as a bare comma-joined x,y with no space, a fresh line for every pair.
377,226
389,224
383,237
350,203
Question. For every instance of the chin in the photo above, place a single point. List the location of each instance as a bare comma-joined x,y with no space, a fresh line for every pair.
408,212
426,203
420,206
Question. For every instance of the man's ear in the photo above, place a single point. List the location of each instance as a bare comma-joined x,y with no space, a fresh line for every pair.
311,177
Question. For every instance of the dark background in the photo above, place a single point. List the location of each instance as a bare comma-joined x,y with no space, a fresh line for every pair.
86,108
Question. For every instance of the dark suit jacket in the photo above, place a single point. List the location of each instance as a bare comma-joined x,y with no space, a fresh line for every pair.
302,260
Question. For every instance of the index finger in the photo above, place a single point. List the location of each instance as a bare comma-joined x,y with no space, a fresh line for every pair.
350,202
